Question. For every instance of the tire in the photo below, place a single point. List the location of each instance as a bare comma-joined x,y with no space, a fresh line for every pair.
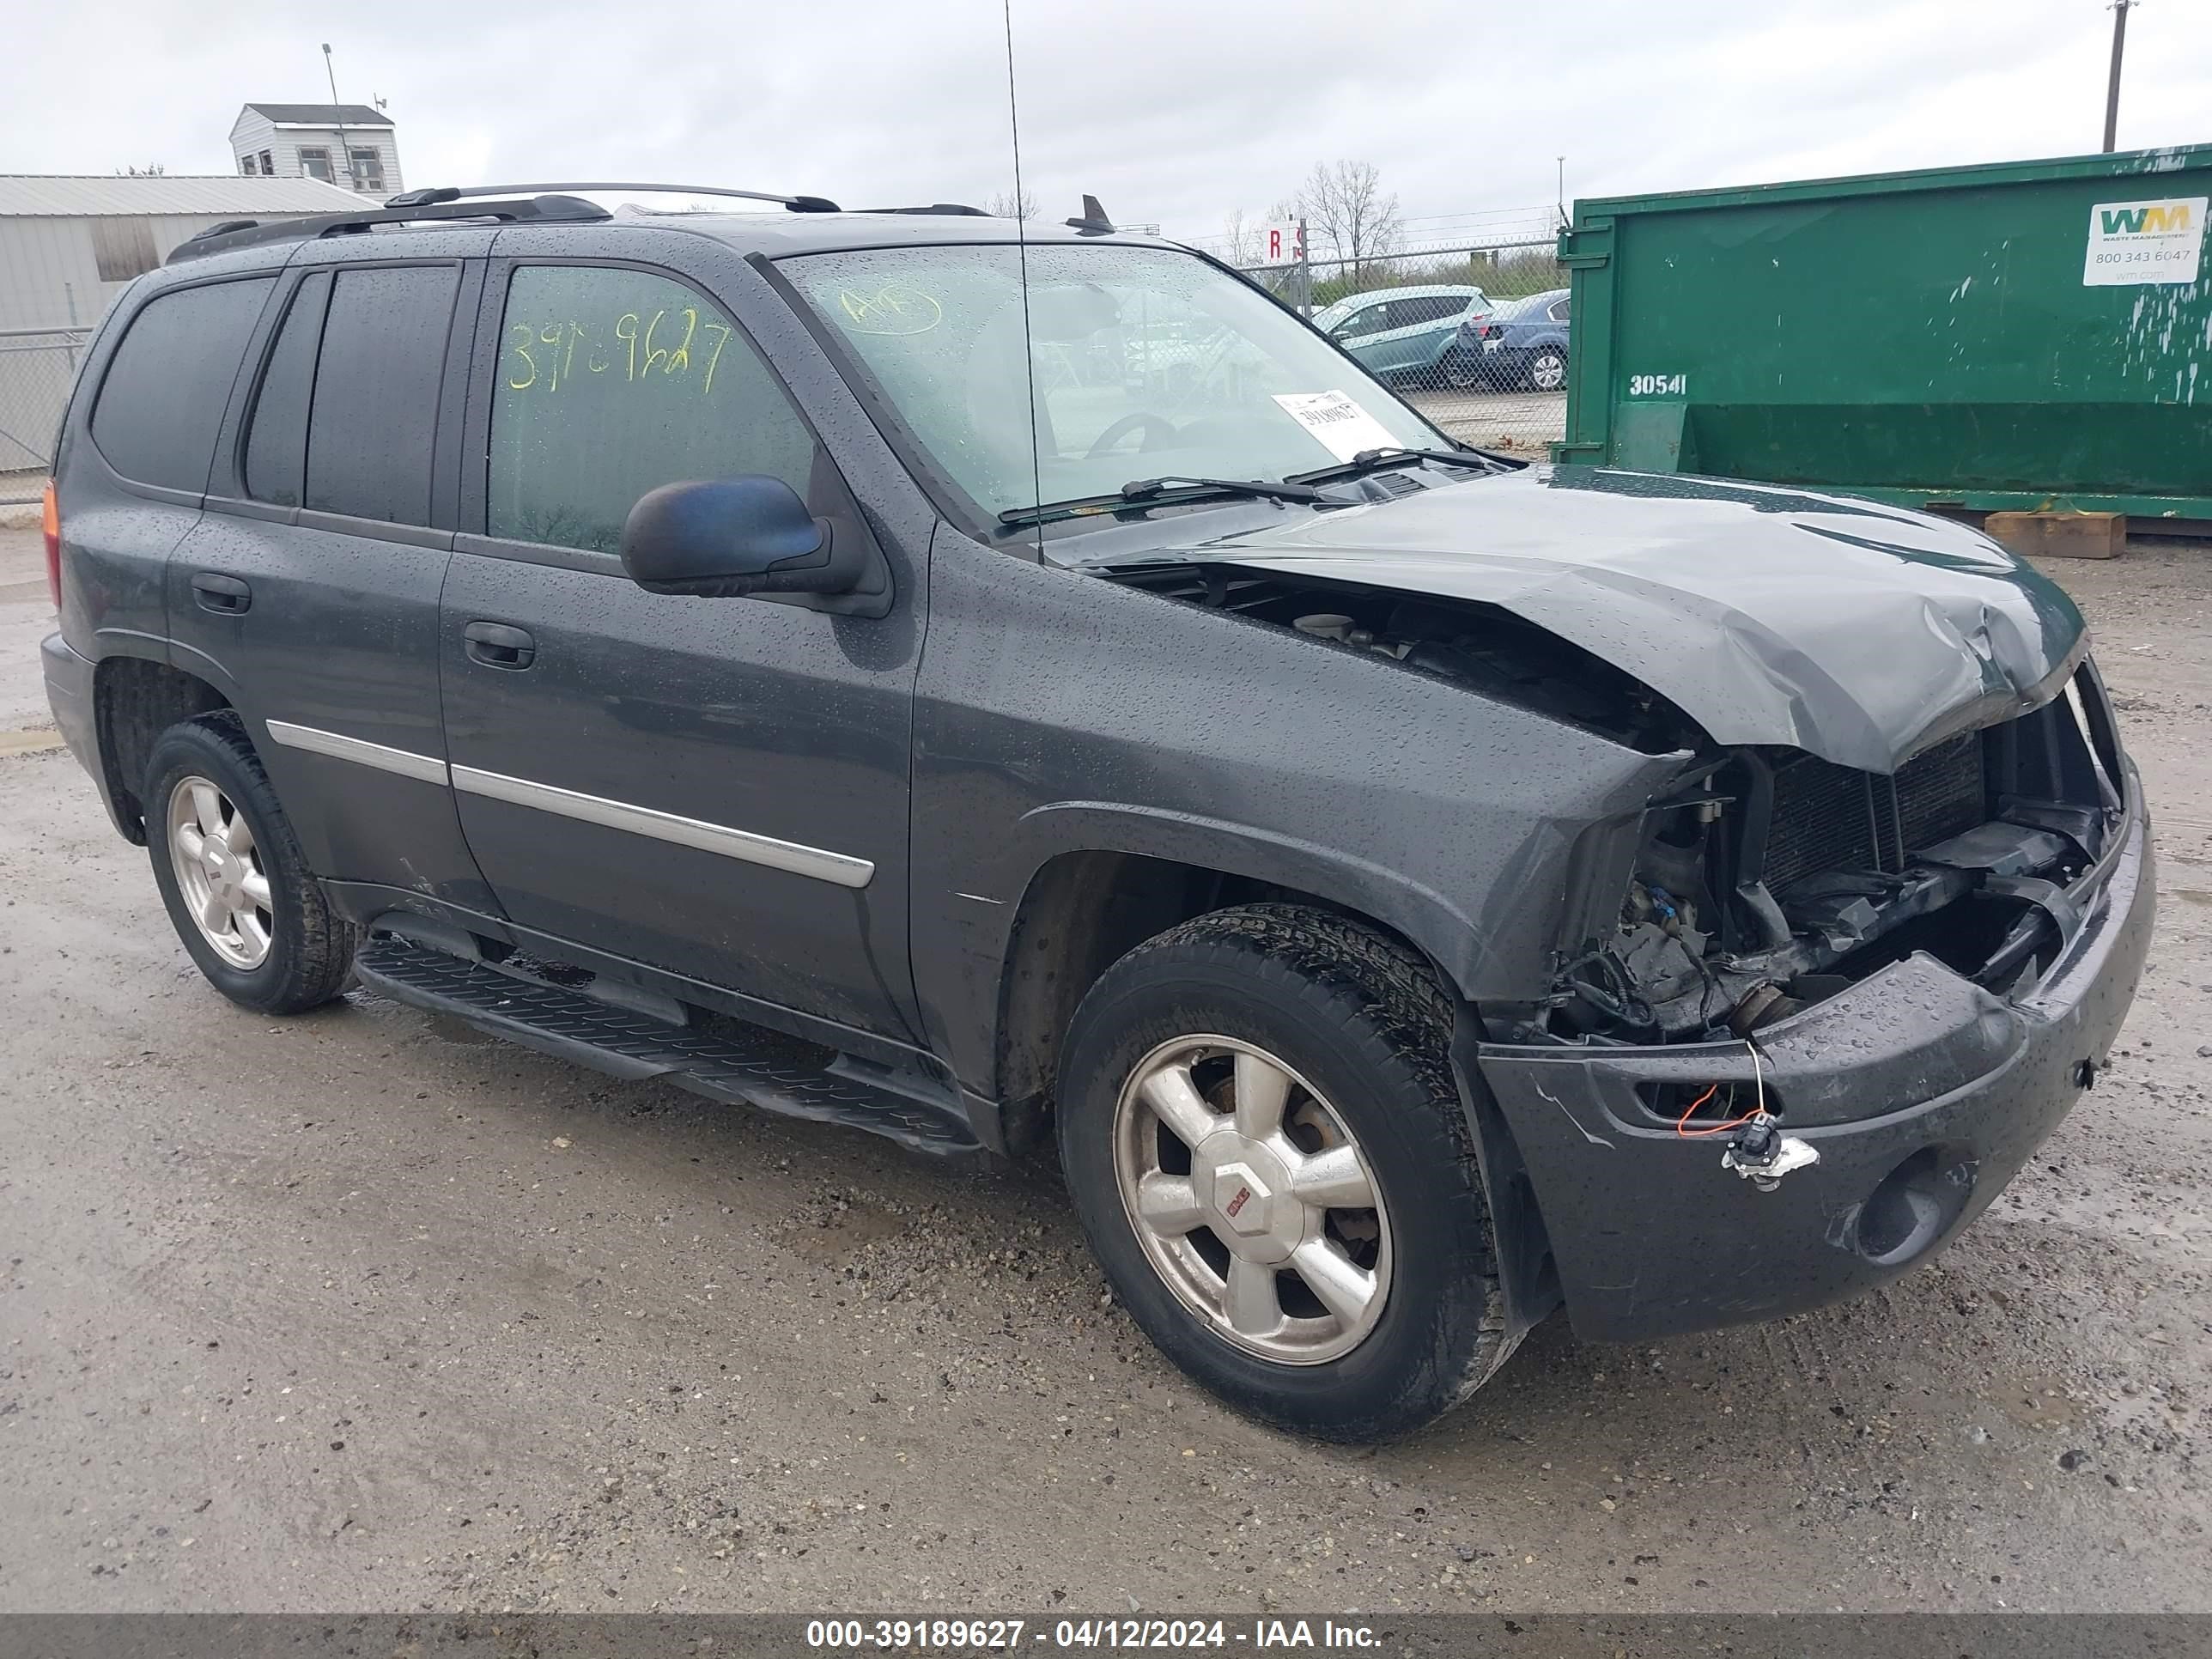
1547,370
1359,1028
203,776
1462,371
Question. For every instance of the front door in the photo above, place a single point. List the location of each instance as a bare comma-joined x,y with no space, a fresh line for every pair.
716,787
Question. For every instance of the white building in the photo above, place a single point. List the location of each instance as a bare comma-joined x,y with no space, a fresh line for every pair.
68,245
348,145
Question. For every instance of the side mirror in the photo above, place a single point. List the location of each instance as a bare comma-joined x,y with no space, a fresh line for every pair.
728,538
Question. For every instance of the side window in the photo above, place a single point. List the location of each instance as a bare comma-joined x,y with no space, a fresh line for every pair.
373,419
1562,311
1430,308
276,439
1368,319
612,383
165,391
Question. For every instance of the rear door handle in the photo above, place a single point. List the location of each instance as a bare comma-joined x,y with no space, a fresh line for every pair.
497,646
225,595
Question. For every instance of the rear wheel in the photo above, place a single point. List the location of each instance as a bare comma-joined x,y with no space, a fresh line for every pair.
1463,371
1261,1135
230,872
1547,369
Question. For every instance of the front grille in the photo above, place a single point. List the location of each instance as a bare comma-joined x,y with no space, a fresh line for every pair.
1831,818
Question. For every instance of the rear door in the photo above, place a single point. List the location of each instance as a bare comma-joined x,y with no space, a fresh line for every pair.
131,479
716,787
308,591
1415,331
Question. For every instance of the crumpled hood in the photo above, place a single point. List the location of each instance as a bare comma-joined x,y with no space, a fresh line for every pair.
1859,632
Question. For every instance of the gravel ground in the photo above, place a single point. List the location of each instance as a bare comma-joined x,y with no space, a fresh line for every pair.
1523,422
364,1311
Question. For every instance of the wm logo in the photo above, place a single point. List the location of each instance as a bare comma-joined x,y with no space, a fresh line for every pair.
2158,219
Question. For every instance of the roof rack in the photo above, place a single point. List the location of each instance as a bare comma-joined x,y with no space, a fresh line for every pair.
957,209
515,203
452,192
249,232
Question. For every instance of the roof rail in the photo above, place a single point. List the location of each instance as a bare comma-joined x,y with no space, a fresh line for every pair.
455,192
956,208
249,232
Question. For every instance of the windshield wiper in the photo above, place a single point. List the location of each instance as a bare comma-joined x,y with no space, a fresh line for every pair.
1166,491
1372,460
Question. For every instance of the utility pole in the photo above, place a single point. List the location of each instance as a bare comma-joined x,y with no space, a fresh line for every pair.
345,145
1563,193
2112,91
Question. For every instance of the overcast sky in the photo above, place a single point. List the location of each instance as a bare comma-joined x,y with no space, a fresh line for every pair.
1172,111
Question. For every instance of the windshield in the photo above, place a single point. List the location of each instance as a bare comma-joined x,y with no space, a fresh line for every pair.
1147,362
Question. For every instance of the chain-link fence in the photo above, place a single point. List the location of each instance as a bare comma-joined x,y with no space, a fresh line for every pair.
37,367
1469,334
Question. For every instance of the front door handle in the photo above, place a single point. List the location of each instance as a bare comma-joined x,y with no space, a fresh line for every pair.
225,595
497,646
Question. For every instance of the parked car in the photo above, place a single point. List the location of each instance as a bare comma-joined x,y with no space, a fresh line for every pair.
1522,343
1409,335
1409,889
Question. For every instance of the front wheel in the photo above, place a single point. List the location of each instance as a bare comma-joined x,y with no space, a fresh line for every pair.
231,872
1263,1140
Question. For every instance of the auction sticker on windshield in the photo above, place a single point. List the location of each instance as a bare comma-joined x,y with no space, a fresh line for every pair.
2132,242
1343,427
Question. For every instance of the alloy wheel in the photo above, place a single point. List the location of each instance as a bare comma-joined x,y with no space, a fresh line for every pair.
1252,1200
219,871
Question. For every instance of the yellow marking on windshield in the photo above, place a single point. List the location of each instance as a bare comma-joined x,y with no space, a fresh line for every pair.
894,308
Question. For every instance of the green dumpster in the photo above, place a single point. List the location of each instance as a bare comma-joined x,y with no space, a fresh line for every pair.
2027,335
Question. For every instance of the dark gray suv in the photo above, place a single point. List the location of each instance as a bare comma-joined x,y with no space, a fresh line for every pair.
998,690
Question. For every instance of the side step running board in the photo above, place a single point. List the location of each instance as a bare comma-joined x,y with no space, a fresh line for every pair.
572,1026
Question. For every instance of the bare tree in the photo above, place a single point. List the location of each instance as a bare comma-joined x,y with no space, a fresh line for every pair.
1243,240
1007,205
1344,205
1240,239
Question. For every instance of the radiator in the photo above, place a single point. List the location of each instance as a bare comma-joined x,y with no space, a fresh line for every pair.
1830,817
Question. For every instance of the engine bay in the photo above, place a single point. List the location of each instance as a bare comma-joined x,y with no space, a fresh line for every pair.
1767,878
1487,649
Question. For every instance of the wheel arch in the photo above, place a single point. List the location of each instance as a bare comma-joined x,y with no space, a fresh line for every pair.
135,700
1117,876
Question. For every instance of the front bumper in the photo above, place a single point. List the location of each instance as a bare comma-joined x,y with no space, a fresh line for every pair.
1923,1094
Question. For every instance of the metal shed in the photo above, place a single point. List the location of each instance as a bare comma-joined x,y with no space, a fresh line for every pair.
69,245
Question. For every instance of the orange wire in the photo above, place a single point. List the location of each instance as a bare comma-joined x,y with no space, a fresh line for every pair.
1681,1123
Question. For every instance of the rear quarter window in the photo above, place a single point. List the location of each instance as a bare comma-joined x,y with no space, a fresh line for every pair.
163,396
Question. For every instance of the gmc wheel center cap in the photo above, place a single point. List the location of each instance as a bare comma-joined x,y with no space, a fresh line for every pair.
1246,1189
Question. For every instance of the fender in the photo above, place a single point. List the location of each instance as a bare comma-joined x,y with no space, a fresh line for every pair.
1445,930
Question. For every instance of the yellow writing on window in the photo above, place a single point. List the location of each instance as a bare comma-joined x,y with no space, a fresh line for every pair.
893,308
679,344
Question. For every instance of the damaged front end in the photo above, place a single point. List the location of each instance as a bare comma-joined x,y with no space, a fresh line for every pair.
1887,989
1808,1010
1771,880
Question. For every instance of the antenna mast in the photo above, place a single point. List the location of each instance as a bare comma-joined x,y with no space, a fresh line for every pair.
337,115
